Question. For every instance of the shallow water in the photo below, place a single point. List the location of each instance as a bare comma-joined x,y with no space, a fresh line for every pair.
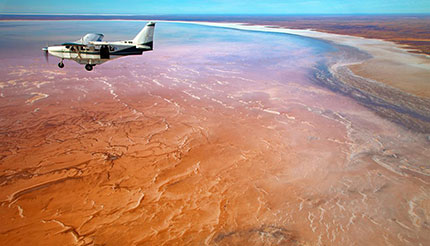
22,42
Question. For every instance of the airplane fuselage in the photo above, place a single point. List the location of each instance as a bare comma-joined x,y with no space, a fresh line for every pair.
91,50
95,54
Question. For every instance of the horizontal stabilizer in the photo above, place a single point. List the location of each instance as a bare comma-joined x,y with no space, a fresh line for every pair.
146,47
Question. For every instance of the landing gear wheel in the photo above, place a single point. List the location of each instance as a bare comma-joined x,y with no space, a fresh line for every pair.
61,65
89,67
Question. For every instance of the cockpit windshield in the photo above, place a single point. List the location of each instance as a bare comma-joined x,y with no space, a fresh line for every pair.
90,37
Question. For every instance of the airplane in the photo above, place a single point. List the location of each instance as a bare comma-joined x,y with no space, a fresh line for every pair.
91,50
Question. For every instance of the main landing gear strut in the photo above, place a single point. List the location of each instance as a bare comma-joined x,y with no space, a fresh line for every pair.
88,67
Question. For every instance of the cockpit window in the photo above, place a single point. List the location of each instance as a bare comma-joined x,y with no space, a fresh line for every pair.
90,37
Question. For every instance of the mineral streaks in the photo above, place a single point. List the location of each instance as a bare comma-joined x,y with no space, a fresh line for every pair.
191,154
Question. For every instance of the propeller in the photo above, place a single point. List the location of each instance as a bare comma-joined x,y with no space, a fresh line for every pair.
45,49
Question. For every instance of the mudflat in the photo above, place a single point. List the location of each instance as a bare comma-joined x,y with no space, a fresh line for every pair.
211,139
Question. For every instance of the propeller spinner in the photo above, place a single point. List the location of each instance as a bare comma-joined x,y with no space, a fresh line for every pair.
45,49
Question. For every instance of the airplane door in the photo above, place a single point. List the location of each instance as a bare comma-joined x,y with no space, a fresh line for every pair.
104,52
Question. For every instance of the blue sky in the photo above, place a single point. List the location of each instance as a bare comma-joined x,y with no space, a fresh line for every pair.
151,7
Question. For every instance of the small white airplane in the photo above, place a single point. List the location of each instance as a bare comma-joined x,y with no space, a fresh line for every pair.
91,50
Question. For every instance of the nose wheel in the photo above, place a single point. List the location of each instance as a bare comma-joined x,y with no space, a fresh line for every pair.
61,64
89,67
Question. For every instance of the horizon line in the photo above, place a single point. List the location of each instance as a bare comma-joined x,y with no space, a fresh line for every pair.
212,14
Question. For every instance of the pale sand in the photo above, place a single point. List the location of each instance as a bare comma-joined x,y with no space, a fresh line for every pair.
390,64
36,96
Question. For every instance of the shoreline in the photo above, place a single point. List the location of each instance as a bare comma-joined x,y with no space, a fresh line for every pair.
407,104
391,81
392,98
391,64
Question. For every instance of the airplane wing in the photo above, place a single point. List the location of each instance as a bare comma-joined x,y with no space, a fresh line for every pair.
110,43
73,44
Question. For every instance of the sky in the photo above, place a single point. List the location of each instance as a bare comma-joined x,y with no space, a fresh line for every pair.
156,7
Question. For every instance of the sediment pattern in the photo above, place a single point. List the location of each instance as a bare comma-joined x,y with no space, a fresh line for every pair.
201,148
403,108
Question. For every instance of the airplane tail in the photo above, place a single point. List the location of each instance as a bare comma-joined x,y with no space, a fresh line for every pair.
145,37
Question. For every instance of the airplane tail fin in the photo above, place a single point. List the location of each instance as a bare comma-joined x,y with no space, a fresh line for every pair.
146,36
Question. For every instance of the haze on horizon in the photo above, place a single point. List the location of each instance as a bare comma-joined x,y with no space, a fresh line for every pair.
166,7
